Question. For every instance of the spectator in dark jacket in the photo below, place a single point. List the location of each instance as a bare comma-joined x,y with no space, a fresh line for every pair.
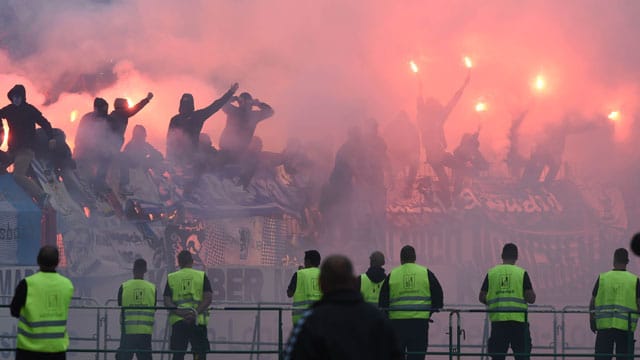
59,157
241,125
22,118
139,153
341,325
95,142
121,114
119,121
207,157
58,162
185,128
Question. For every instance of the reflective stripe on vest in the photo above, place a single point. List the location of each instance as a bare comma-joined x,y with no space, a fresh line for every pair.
138,293
615,302
370,291
307,291
186,288
506,293
409,291
42,325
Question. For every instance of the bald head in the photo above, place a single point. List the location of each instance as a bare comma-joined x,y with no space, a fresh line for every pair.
336,273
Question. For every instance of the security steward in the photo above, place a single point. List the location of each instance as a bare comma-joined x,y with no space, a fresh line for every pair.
189,291
304,286
136,324
508,287
411,293
371,281
41,303
614,306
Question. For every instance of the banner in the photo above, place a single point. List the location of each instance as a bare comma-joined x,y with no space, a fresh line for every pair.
563,241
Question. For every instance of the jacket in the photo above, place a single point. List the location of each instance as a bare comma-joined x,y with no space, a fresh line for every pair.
22,122
342,326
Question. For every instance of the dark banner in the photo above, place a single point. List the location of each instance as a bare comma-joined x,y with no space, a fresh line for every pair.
566,236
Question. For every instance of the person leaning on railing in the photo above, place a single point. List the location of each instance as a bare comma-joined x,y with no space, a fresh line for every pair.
137,324
508,287
41,303
613,309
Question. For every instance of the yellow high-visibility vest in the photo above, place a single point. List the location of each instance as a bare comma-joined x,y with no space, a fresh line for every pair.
42,326
615,301
307,291
138,293
409,291
506,292
370,291
186,288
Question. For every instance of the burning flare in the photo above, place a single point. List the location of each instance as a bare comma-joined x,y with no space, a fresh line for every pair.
74,115
614,115
481,106
5,139
540,83
414,66
467,62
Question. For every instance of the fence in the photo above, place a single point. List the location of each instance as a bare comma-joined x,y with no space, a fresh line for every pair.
95,330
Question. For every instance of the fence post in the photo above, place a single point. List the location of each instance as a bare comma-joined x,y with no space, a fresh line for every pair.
280,354
97,331
555,334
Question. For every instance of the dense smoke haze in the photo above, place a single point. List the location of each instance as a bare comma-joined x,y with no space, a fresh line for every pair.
326,65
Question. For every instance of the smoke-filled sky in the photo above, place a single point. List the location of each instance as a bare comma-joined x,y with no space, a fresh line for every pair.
325,65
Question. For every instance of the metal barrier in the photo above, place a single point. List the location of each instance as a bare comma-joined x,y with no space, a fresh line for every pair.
256,346
82,303
459,333
571,309
102,337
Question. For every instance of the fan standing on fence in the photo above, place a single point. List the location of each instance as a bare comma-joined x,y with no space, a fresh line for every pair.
508,287
615,301
22,118
41,303
136,324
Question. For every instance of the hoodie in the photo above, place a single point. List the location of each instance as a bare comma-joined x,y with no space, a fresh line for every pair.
375,273
121,114
22,121
185,128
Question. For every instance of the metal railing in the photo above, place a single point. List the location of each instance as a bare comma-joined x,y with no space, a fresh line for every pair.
98,337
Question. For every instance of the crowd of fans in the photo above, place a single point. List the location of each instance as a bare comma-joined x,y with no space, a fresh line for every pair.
350,200
100,144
